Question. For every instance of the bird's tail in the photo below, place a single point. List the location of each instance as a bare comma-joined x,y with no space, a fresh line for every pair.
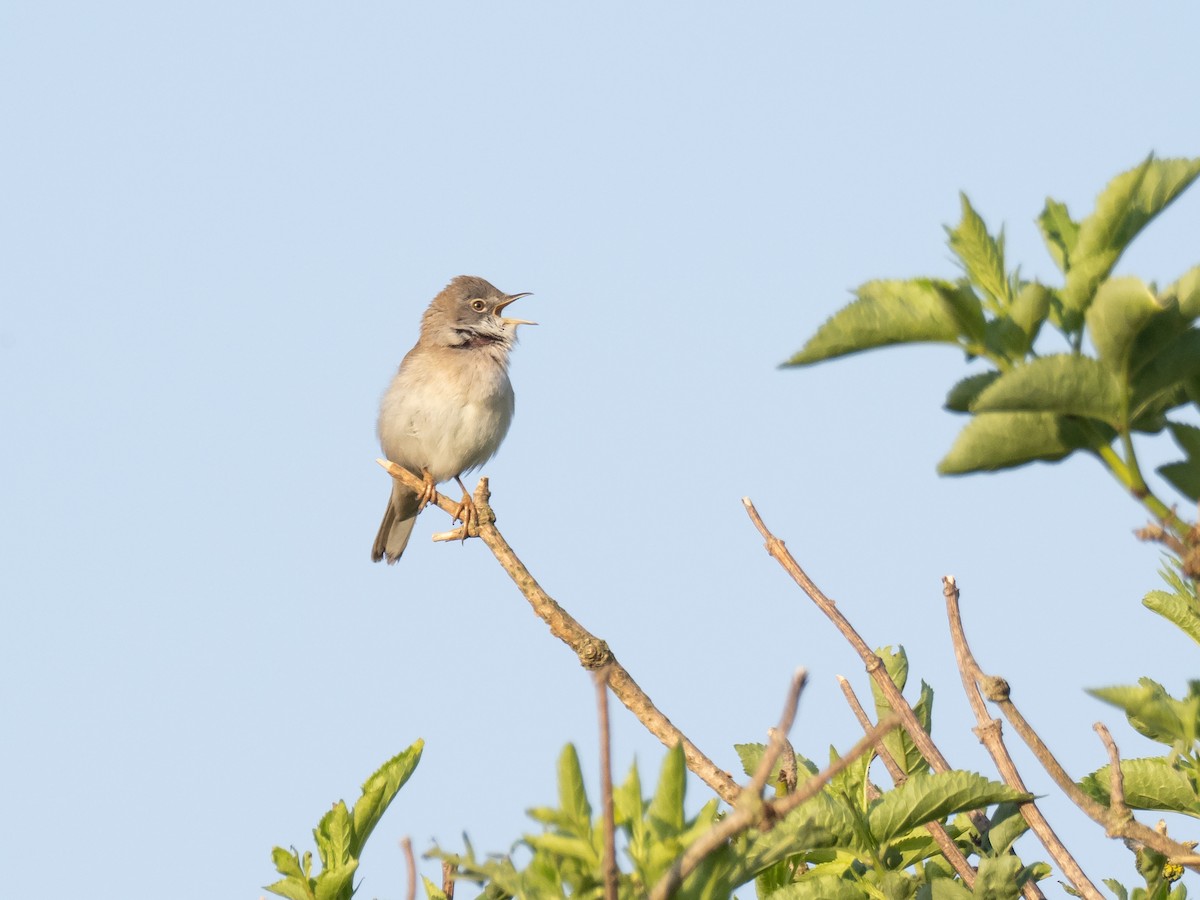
397,525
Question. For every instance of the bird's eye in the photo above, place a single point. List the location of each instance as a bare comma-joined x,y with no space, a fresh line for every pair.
478,305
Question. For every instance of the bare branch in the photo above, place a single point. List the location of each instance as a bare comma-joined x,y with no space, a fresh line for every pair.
996,690
611,876
1116,778
945,843
448,870
748,814
593,653
406,846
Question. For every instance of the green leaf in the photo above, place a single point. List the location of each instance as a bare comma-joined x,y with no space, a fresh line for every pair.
433,891
1065,384
1163,368
1000,878
1150,710
887,312
1005,826
944,889
1030,309
821,887
1184,477
1187,437
292,888
572,795
666,809
994,441
1186,292
981,255
1175,608
1060,232
1122,308
287,862
378,792
1124,207
336,884
898,742
334,836
930,798
963,394
1152,784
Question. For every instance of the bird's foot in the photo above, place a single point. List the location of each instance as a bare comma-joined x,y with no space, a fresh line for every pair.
428,492
466,512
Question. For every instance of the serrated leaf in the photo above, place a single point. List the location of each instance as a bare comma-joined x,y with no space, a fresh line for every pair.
886,312
1030,309
816,886
1186,293
287,862
1122,308
1149,709
992,441
1184,477
963,394
1117,888
1000,878
1005,826
943,889
1162,370
1152,784
898,742
1060,232
565,845
334,835
292,888
928,798
572,795
1187,437
981,255
666,808
1180,610
1064,384
336,884
379,790
627,799
1124,207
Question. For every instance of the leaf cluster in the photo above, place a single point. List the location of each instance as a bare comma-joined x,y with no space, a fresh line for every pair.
1026,406
341,835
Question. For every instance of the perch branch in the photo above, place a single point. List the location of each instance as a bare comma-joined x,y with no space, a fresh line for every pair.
593,653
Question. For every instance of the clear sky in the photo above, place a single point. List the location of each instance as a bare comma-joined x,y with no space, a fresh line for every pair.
219,224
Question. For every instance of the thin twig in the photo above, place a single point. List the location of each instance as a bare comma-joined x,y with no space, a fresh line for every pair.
874,666
777,741
1116,778
748,814
1116,824
611,876
945,843
406,846
448,870
988,731
593,653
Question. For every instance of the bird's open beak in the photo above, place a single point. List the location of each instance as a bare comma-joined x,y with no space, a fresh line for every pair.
511,298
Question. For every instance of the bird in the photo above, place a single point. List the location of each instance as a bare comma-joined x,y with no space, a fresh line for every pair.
449,405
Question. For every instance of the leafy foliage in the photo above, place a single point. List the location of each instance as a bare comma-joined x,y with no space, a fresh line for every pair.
341,835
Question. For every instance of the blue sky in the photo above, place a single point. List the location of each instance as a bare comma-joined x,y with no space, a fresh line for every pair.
220,224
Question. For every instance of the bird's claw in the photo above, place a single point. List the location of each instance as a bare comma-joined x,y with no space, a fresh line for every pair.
428,492
468,515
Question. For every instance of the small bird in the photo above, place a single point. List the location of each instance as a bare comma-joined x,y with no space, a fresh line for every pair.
450,404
